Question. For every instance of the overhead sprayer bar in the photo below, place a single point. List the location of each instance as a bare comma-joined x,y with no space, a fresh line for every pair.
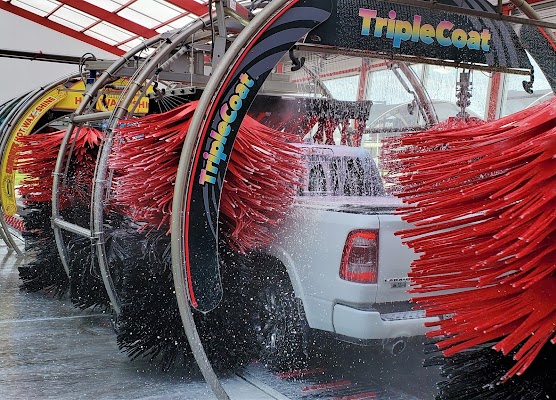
410,59
39,56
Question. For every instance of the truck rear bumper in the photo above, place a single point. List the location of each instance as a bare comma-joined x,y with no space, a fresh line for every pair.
371,324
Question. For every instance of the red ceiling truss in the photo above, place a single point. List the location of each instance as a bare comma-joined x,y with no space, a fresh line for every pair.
60,28
108,16
128,30
190,6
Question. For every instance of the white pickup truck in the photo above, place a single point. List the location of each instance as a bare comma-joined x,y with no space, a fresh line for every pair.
336,265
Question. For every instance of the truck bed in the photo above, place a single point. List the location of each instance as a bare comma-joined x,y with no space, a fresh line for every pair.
366,205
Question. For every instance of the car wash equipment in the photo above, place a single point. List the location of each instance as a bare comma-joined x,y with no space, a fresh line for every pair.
482,201
263,176
45,271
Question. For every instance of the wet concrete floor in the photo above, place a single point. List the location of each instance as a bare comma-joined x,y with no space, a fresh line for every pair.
51,350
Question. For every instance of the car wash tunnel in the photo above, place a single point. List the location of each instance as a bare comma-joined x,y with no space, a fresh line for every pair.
286,199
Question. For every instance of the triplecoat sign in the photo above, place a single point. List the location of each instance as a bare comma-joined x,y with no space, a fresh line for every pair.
390,29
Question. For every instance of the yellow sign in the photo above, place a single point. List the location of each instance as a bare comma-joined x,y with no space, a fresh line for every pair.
22,128
106,102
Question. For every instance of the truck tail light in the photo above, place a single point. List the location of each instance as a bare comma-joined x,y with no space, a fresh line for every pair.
360,257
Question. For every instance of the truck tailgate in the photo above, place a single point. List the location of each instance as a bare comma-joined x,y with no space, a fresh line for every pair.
394,257
394,260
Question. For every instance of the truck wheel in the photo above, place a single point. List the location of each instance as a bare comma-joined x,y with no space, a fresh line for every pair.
282,332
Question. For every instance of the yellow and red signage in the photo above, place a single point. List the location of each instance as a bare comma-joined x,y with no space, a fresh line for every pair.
23,127
106,102
62,98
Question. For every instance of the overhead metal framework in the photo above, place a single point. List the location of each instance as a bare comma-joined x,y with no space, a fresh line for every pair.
115,26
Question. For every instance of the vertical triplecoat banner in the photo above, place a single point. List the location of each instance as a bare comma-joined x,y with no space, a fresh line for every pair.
216,140
390,29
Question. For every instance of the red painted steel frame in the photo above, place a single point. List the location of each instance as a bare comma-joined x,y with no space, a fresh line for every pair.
110,17
103,15
190,5
60,28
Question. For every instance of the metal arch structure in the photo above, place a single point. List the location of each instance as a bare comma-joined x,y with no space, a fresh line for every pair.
225,78
525,8
423,99
420,94
16,114
237,51
84,113
140,81
165,54
223,72
167,49
548,34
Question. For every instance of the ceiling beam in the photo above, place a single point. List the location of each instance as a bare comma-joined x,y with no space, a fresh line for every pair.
112,18
60,28
173,19
40,56
190,5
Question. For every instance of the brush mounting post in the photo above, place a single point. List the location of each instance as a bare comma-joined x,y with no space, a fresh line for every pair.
198,63
235,10
297,63
220,40
528,85
463,94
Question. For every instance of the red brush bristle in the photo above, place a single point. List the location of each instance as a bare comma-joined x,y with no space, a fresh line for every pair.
15,222
262,178
37,158
482,197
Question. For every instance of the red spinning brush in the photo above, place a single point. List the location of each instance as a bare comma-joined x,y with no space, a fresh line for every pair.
37,159
15,222
262,178
482,198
